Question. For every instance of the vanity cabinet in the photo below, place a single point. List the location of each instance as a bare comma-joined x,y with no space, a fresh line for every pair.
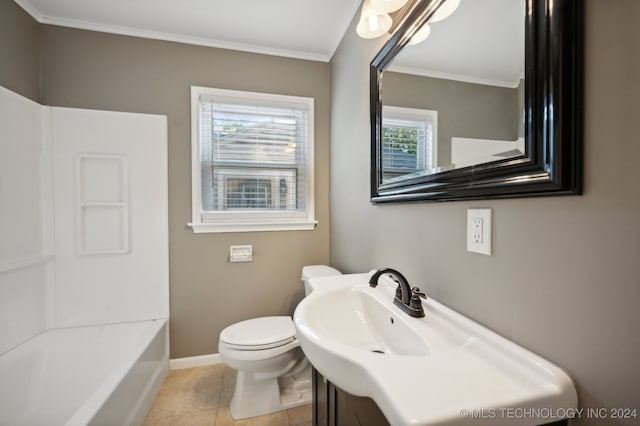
334,407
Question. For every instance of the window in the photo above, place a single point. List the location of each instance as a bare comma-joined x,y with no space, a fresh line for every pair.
409,140
252,161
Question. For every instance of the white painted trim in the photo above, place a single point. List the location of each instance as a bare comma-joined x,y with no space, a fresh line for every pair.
196,178
25,262
195,361
201,228
452,76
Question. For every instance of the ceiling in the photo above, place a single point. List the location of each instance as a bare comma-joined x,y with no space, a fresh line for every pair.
305,29
481,42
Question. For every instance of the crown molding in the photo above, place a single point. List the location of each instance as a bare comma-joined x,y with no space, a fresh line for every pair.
452,76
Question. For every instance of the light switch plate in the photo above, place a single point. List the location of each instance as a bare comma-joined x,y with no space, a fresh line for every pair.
479,231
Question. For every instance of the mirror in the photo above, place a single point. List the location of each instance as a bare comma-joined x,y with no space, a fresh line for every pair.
453,100
489,105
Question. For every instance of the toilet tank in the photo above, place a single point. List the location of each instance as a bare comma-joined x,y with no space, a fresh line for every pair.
316,271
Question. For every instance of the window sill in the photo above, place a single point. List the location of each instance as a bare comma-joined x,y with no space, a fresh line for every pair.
202,228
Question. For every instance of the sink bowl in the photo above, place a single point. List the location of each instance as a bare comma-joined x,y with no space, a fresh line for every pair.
361,318
423,371
362,321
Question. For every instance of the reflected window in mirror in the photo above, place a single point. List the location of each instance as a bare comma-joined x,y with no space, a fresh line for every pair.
408,142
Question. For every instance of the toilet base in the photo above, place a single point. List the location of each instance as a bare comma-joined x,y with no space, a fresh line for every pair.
255,397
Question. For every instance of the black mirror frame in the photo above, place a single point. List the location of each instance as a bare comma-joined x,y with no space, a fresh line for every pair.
553,111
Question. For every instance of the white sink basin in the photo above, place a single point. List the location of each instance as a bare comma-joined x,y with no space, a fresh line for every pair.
425,371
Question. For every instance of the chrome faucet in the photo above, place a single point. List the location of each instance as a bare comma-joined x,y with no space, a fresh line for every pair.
407,298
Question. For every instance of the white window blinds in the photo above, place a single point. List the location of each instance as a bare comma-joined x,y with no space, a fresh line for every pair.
253,155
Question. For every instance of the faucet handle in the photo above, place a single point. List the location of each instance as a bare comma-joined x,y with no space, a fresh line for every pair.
415,303
416,292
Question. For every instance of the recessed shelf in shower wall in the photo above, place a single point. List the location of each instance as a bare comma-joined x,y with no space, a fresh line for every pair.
102,204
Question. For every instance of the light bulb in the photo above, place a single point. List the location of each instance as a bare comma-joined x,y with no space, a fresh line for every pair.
421,35
373,23
446,9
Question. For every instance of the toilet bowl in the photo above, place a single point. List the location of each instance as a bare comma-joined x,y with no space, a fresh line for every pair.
272,372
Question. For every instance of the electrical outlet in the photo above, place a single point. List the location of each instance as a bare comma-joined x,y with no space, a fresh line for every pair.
479,231
476,235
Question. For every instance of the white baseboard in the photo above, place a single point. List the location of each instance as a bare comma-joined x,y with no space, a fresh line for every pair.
195,361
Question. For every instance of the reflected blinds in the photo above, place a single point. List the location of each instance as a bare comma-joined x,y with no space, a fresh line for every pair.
405,145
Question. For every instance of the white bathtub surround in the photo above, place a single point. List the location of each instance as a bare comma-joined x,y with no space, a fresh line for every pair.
84,303
111,231
106,374
26,231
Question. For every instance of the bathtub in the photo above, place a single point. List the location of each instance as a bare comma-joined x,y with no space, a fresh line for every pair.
102,375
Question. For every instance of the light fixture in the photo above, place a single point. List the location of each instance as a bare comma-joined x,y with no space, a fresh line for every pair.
421,35
446,9
373,22
388,6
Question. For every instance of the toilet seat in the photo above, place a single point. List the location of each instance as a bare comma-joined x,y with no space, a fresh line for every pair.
259,333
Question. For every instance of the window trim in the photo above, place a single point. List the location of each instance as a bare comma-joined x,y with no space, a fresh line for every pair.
248,221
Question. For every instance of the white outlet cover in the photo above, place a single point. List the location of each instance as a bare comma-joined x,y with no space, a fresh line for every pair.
484,245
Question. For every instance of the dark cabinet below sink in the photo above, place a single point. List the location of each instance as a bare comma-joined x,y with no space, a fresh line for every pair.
334,407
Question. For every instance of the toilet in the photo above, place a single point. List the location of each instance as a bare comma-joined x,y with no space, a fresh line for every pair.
272,372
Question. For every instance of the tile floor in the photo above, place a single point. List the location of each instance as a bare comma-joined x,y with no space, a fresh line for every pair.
201,396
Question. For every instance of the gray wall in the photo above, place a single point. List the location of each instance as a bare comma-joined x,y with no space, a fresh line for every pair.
465,110
87,69
19,51
564,280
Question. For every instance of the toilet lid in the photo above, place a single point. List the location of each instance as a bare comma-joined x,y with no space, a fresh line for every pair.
260,333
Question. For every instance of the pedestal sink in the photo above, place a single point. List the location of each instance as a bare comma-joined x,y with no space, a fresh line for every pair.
443,369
